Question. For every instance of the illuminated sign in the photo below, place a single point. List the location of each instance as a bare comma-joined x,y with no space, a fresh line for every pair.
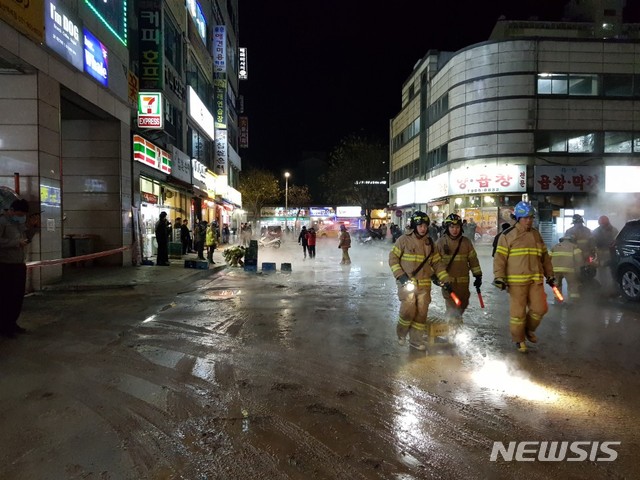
150,110
95,58
243,71
150,40
558,179
195,10
200,114
63,34
221,152
148,153
50,196
321,211
348,212
488,179
113,14
621,179
243,137
220,101
219,49
199,174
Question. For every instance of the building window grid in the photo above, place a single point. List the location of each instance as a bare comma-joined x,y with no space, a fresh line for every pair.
589,84
587,142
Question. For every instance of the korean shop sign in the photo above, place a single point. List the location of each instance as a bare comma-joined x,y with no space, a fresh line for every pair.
150,110
489,179
150,45
148,153
556,179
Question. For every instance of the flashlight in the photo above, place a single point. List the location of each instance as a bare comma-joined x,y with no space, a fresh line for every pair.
410,286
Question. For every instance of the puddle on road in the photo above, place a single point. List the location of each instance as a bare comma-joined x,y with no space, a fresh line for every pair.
215,295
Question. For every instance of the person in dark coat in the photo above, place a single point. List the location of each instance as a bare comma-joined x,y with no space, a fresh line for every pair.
163,230
504,226
302,240
185,237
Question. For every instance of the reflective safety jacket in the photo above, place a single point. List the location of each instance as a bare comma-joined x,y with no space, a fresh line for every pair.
522,257
584,239
409,252
566,257
466,259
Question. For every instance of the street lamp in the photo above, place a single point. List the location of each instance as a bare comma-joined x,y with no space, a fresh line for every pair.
286,199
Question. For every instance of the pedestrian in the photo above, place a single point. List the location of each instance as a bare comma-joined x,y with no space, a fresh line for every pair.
199,238
211,241
383,230
302,240
460,257
15,235
185,237
311,242
504,226
344,243
163,231
225,233
582,236
471,227
567,261
413,261
434,232
520,265
603,237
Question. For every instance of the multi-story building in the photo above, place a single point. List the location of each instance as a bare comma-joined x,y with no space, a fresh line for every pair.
113,111
548,112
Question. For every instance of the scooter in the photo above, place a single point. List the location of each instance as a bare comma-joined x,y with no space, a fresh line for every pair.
273,242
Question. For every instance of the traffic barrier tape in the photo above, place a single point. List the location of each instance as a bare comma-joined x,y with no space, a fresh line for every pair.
79,258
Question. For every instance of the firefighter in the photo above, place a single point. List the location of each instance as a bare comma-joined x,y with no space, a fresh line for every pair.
567,260
520,265
413,260
582,236
459,256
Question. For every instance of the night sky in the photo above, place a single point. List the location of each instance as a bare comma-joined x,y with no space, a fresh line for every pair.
319,70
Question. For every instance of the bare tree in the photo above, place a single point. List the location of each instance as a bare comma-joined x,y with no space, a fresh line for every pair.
258,188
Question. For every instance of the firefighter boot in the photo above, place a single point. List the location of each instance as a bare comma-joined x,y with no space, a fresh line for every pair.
416,341
522,347
531,336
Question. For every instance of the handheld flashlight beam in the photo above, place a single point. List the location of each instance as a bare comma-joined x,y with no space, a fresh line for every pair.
557,293
455,299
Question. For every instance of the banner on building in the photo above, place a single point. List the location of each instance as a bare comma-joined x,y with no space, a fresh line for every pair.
148,153
557,179
64,33
96,58
26,17
150,45
243,124
221,152
180,165
243,72
488,179
219,49
220,100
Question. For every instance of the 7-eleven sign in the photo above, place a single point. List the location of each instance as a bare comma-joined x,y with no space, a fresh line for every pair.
150,110
150,154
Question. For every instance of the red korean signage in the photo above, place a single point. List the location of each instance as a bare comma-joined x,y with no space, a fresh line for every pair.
488,179
555,179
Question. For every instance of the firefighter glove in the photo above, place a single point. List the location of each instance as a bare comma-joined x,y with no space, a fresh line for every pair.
435,280
551,281
447,287
500,284
478,282
404,279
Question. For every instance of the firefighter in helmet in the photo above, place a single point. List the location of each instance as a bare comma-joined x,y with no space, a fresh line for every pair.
582,236
459,256
521,264
413,260
567,260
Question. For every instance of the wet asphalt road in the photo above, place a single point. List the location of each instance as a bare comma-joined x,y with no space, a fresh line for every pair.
240,375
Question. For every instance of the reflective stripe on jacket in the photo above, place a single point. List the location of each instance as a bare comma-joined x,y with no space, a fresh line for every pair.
566,257
522,257
409,252
466,259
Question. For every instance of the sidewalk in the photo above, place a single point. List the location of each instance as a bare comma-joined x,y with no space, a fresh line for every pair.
79,278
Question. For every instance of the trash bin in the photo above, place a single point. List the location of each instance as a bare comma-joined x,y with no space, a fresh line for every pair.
175,250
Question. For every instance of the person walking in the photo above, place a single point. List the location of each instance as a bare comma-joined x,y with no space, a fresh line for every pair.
199,238
520,265
163,230
567,260
460,257
504,226
226,233
413,261
15,235
211,241
302,240
185,237
311,242
471,227
344,243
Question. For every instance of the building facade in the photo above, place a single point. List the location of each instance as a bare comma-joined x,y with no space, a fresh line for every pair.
541,111
113,111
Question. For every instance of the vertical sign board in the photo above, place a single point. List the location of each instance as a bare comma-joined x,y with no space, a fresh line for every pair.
243,70
243,123
150,110
220,99
95,58
221,152
150,45
63,33
24,16
113,14
219,49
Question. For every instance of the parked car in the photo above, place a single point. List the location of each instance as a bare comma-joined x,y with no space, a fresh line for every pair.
625,260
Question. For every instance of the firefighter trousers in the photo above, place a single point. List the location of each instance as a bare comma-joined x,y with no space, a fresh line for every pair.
573,287
453,313
528,304
414,307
